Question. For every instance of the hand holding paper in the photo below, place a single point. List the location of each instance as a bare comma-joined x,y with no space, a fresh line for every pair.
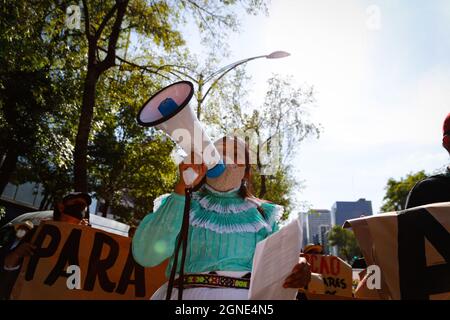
273,262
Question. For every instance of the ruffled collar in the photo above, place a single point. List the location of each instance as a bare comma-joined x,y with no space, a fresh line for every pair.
226,212
223,202
225,194
231,213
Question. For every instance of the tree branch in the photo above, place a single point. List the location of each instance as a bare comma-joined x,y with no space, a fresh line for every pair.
222,19
87,24
137,66
105,21
110,59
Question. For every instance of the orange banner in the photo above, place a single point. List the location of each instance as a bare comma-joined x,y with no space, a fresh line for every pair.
80,262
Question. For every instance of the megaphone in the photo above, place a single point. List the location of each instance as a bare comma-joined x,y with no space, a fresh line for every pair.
169,111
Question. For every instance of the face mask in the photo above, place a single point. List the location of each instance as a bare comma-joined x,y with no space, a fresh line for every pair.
230,179
76,210
20,233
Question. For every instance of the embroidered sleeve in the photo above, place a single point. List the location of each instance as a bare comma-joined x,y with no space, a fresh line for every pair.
159,201
155,237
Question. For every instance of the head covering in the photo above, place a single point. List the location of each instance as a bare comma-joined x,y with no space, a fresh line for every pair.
446,133
313,248
75,195
446,126
76,210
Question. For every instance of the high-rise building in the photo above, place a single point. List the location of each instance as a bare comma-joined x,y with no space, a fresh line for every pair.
302,216
317,223
342,211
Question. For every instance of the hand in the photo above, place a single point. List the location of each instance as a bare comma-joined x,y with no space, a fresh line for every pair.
84,222
23,250
200,169
300,276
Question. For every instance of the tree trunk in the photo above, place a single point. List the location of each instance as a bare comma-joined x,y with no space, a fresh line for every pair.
199,97
8,167
49,203
105,208
43,201
263,186
95,69
84,129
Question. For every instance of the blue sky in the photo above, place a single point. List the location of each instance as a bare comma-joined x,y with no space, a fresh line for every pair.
381,70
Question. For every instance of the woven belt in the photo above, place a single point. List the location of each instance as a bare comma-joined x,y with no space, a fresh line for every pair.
213,281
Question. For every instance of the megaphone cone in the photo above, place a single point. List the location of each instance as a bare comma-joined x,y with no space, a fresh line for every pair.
169,111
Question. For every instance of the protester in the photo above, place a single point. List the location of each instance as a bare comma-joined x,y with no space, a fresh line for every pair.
435,188
226,223
72,209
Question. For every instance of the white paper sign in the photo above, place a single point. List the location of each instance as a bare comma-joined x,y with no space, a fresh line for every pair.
274,259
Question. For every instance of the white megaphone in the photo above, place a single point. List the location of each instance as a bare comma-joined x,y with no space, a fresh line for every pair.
169,110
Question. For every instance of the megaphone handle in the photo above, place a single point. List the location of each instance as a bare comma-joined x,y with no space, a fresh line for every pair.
189,176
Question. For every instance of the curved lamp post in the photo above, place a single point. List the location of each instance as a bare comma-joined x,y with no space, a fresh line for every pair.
220,73
223,71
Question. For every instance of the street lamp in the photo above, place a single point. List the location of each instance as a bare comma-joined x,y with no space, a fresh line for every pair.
202,80
223,71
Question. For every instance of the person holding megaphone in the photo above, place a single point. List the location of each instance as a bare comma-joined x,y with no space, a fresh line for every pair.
220,220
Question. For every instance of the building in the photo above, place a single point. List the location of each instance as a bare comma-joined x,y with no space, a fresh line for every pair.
342,211
19,199
303,223
317,223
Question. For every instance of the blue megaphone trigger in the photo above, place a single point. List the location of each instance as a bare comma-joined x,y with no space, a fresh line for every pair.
167,107
216,171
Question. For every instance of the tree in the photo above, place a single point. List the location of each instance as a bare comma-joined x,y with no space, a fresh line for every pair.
279,188
105,22
129,165
397,191
39,70
281,124
346,242
129,178
47,131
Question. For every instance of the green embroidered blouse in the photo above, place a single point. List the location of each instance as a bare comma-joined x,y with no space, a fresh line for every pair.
223,233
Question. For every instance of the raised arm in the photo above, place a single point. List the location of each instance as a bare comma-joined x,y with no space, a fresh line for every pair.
155,237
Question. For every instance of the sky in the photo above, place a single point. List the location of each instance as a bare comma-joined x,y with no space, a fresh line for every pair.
381,71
